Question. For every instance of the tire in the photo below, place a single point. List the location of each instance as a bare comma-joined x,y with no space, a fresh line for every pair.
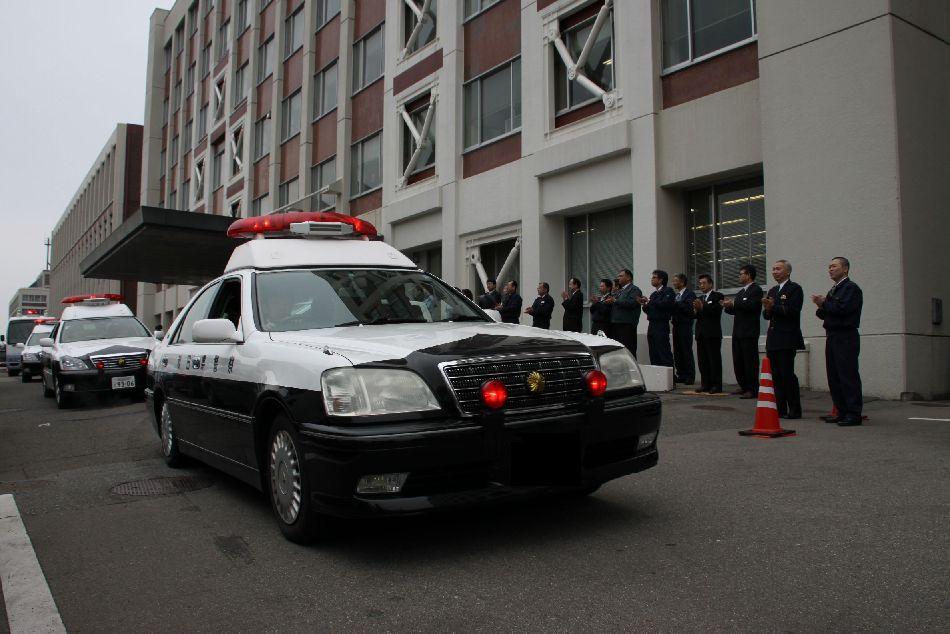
173,457
63,400
47,392
26,378
287,486
12,372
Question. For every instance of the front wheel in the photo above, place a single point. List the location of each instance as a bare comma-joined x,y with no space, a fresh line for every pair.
169,440
63,400
12,372
26,377
288,487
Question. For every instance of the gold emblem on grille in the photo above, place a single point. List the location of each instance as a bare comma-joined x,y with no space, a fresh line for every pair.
535,382
121,363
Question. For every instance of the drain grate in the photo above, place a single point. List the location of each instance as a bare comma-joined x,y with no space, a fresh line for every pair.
163,486
716,408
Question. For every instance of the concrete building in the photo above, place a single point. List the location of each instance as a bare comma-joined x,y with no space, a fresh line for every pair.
107,196
32,299
691,137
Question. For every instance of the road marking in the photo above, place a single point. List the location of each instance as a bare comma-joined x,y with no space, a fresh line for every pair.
30,605
942,420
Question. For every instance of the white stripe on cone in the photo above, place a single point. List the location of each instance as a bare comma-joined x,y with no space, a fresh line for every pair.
767,404
764,389
766,376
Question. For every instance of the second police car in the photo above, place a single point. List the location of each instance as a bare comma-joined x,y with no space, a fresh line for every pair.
31,359
327,370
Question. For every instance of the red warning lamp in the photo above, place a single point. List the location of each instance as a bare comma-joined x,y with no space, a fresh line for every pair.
494,394
100,365
77,299
596,383
279,223
143,361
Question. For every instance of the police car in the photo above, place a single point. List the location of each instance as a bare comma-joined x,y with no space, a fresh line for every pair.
98,346
18,331
327,370
32,355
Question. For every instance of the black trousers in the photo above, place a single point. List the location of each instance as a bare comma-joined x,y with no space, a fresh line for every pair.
787,395
709,352
625,334
658,338
745,362
841,362
685,366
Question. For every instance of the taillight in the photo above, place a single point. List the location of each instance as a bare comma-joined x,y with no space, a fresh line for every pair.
596,383
494,394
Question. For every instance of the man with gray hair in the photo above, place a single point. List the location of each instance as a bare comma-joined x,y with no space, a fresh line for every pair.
782,307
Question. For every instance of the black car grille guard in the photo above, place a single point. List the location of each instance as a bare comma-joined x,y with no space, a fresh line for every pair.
119,361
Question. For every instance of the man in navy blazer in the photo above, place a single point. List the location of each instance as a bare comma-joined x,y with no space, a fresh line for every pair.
542,307
745,331
659,310
709,335
573,303
625,311
841,311
683,316
783,310
510,307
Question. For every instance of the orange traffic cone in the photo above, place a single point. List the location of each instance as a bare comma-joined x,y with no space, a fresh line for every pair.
766,412
834,413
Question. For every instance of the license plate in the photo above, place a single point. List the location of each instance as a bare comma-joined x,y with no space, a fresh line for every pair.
122,382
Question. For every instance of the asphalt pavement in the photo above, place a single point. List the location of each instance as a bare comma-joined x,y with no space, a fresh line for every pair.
832,529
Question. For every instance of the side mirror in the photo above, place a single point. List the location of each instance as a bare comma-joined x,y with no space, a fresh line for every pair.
2,338
159,334
494,314
215,331
21,345
46,342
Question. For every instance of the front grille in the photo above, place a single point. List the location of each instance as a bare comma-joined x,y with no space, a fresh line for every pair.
119,361
563,381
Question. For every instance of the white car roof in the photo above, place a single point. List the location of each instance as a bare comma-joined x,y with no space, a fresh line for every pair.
78,311
41,328
271,253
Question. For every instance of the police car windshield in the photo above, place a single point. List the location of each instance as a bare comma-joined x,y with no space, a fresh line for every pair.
301,300
101,328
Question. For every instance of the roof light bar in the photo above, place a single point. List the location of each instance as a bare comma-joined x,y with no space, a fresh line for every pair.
77,299
279,224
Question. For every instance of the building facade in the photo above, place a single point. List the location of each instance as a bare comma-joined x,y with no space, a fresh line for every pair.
545,139
32,299
108,195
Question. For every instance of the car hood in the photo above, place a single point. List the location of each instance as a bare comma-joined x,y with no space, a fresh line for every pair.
367,344
107,346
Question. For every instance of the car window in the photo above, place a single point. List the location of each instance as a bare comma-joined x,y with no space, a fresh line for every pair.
198,310
19,331
227,305
102,328
34,339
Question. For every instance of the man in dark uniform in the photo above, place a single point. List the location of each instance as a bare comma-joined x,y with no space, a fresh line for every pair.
573,306
745,332
683,316
841,310
510,306
600,309
625,311
709,335
492,293
659,310
783,309
542,307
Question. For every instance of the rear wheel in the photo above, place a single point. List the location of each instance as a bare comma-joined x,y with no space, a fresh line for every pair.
169,441
288,486
26,377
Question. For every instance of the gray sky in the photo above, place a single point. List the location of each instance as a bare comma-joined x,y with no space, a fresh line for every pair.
71,70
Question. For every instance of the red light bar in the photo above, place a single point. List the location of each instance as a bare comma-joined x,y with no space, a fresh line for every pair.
76,299
47,320
279,224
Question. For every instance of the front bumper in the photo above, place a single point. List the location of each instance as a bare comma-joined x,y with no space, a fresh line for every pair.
90,381
33,369
461,462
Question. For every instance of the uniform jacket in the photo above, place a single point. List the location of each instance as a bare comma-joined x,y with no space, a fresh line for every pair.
600,310
541,311
842,307
626,309
709,319
661,304
574,311
683,313
785,331
511,308
494,296
746,308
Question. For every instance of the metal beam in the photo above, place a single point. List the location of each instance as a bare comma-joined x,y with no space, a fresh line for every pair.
418,137
420,18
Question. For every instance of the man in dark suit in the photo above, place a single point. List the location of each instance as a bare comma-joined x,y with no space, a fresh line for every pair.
573,306
709,336
841,311
745,331
683,316
491,297
600,309
625,311
542,307
510,306
659,310
783,309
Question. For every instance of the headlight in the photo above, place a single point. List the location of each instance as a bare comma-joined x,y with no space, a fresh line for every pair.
67,364
621,369
361,392
30,357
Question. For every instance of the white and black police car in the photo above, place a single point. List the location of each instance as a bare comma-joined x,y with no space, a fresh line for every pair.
327,370
98,346
31,359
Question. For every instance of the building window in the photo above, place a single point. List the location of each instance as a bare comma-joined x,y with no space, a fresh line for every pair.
326,10
367,165
203,121
265,53
193,18
171,201
187,140
217,160
290,116
725,229
239,87
493,104
320,176
293,33
288,193
162,158
368,60
218,99
206,60
240,22
177,96
599,245
695,29
237,150
175,150
164,110
426,32
168,57
260,205
180,38
324,91
222,49
190,79
199,179
236,208
473,7
185,187
262,137
417,112
598,67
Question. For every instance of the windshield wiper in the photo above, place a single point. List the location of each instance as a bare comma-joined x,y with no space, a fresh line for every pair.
396,320
463,318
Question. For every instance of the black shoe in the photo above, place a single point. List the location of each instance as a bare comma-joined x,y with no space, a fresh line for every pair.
831,419
688,382
715,390
793,416
849,421
746,395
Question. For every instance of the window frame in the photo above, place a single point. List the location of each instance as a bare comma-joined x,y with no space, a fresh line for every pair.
484,5
217,167
223,43
478,79
212,288
287,119
241,16
316,182
239,85
262,138
319,95
565,34
356,166
691,61
323,18
291,29
359,60
283,192
406,137
408,23
265,69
